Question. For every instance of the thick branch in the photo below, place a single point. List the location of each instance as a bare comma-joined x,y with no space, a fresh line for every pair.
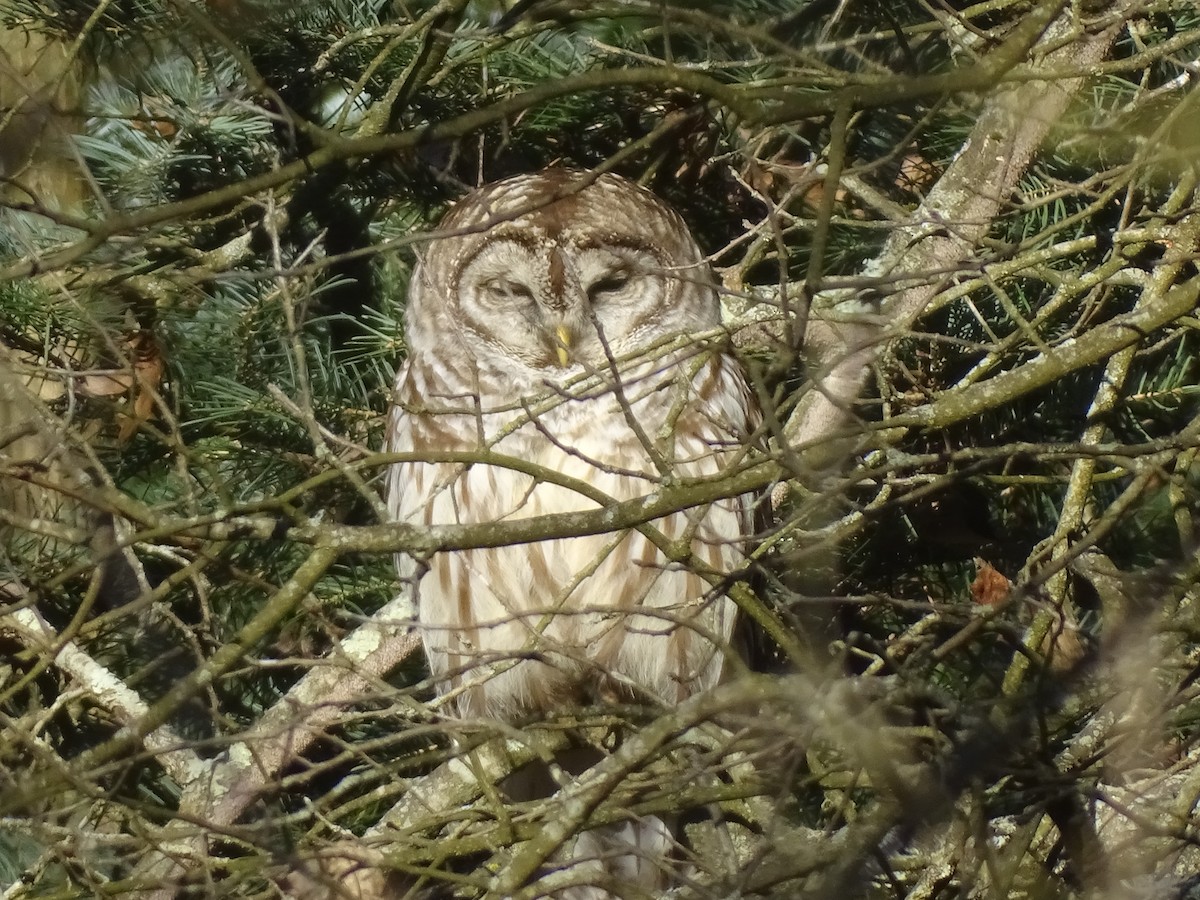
943,233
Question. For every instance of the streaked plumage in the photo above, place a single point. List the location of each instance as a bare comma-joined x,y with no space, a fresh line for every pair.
548,322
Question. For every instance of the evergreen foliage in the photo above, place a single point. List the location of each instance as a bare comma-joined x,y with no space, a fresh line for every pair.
212,335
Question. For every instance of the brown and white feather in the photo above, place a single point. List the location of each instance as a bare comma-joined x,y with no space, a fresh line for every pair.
532,627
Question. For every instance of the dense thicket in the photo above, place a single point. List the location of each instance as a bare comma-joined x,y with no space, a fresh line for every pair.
958,245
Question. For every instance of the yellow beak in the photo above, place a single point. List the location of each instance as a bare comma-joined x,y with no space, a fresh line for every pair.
564,345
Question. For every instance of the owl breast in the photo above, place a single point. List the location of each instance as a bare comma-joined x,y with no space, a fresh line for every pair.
543,625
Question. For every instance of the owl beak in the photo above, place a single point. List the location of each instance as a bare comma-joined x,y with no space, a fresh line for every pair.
563,345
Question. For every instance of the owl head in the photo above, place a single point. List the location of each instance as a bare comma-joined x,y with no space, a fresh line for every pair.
556,273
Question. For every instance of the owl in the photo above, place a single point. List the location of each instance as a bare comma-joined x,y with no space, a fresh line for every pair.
552,328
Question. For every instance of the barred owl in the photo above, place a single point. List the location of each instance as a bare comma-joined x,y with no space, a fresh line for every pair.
549,323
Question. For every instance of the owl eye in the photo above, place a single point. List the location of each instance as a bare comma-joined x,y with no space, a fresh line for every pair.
507,290
612,283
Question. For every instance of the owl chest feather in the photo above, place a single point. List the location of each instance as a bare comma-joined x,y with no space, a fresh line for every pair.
606,603
558,327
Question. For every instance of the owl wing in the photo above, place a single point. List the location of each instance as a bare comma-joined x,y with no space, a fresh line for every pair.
733,401
413,487
714,434
674,627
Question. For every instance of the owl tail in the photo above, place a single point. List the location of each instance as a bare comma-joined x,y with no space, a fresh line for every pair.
616,861
611,862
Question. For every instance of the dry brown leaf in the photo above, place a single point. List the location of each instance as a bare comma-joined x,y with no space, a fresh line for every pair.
138,382
148,369
990,588
1063,648
104,384
916,173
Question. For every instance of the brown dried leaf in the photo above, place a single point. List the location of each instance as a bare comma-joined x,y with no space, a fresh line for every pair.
104,384
148,369
1063,647
989,588
916,173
